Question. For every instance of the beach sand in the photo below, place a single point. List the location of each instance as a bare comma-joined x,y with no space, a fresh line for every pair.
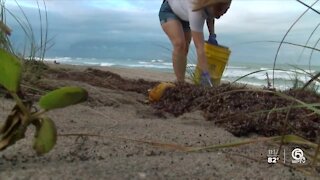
116,135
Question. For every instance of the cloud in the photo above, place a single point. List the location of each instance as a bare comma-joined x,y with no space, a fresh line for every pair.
263,16
80,23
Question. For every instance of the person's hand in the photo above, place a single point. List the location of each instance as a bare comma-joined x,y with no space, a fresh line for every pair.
213,39
206,79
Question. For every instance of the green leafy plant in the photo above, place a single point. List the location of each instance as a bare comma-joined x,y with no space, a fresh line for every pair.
23,115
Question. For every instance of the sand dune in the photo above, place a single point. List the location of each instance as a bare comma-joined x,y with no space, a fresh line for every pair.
102,139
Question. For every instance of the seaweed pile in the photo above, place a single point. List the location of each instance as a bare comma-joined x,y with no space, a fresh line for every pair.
104,79
242,111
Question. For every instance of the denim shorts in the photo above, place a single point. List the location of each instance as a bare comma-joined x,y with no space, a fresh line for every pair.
166,14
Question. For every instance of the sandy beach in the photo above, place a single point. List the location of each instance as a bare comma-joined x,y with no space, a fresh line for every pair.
116,134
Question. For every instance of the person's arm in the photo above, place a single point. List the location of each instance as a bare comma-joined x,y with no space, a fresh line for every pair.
198,40
212,36
196,25
210,25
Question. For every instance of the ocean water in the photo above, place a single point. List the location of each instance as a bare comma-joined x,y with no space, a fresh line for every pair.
255,74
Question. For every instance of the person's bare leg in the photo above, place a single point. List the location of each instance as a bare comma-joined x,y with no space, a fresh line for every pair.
174,31
187,37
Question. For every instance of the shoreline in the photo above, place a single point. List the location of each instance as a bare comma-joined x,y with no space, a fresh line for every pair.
141,73
127,72
283,80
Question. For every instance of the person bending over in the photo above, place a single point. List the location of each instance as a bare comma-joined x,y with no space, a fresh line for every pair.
182,20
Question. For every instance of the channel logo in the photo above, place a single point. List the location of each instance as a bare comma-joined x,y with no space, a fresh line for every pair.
297,156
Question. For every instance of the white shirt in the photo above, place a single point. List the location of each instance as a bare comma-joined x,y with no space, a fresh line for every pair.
183,9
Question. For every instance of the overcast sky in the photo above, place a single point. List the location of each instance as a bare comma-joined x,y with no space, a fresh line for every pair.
124,25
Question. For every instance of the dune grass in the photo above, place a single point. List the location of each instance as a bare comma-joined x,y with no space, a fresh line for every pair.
35,46
313,148
33,51
4,29
296,84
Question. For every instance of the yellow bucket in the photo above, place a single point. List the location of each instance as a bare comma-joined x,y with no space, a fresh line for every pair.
217,57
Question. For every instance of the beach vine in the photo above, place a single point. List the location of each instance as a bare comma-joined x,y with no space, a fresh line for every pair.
24,113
